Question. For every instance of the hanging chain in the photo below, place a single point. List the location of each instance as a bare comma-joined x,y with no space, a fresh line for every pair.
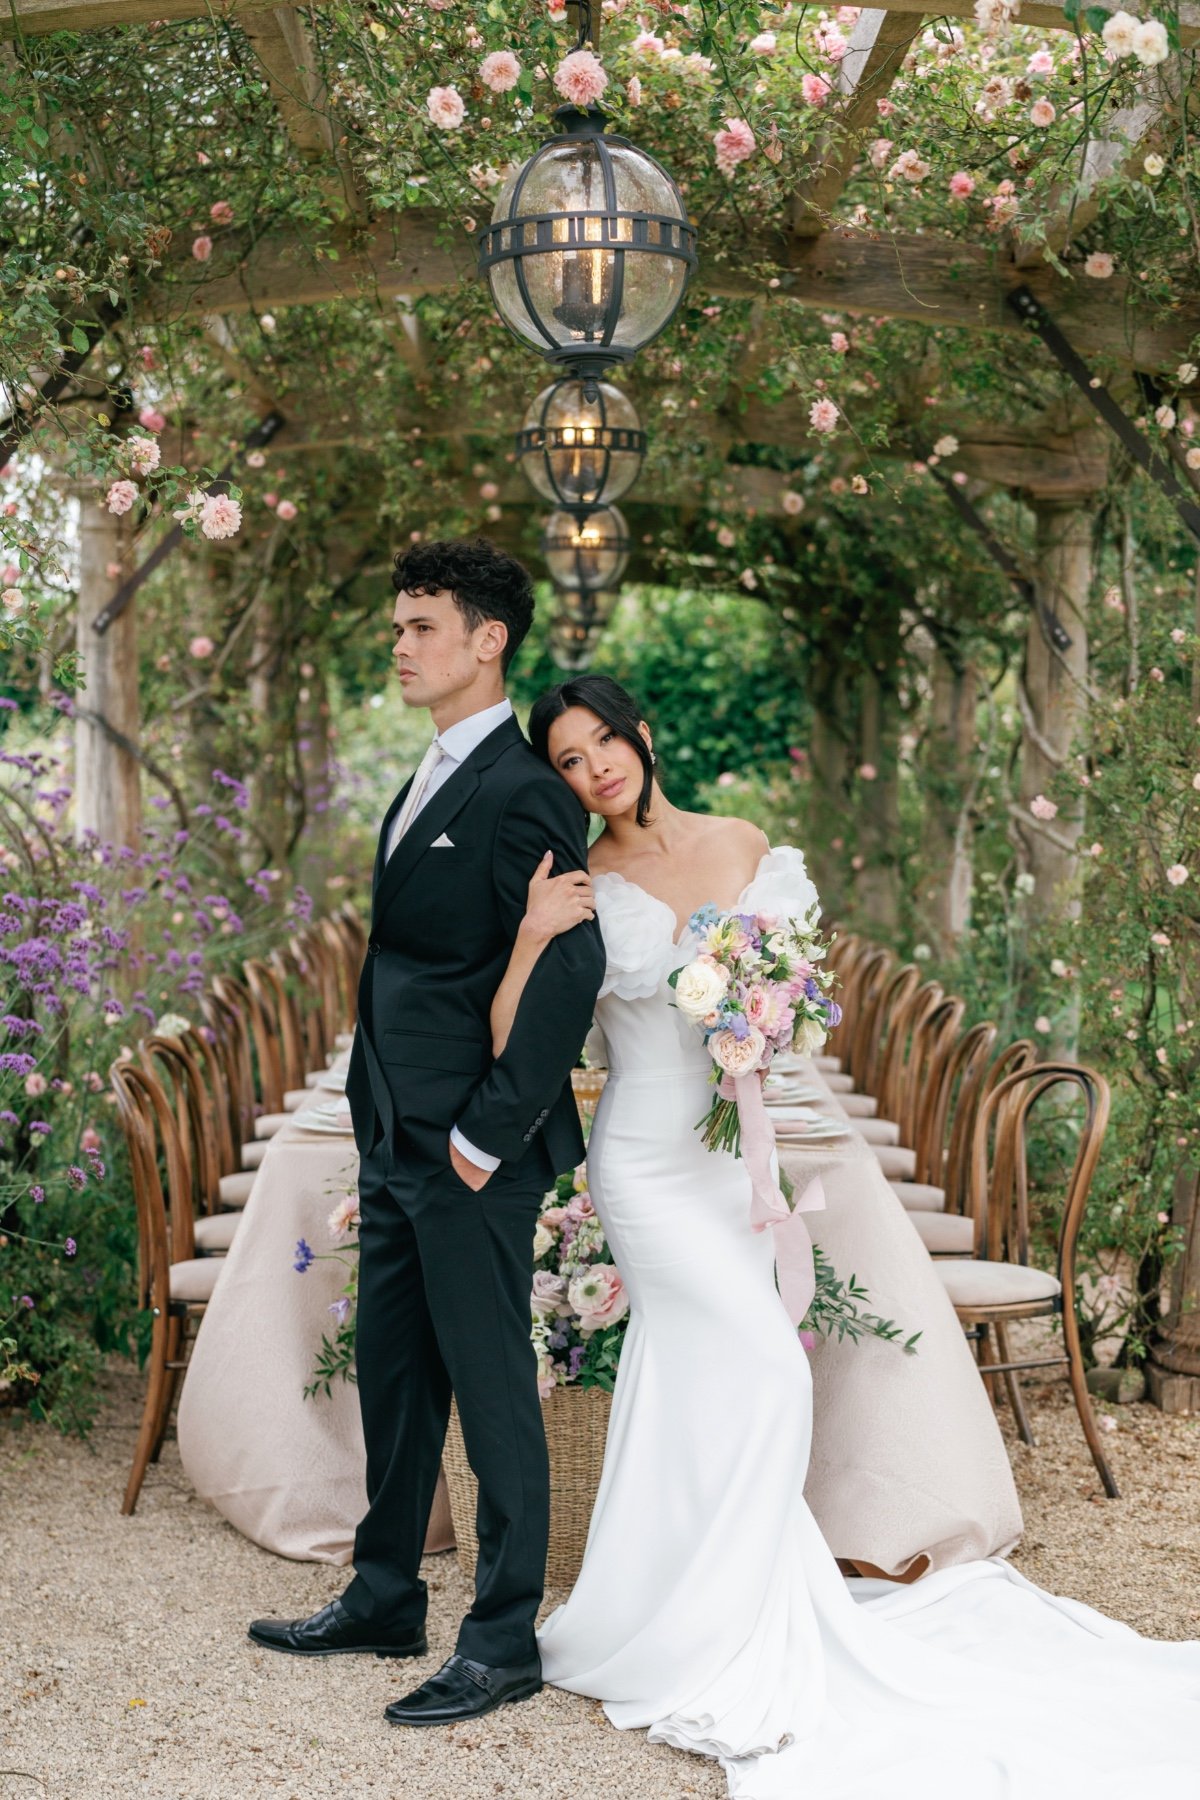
583,14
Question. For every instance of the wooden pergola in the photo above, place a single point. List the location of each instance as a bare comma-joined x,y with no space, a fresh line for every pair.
810,261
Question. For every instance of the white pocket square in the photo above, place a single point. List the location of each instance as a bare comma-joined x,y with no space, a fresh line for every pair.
441,843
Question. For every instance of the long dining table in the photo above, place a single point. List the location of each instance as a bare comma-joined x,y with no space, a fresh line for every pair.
908,1469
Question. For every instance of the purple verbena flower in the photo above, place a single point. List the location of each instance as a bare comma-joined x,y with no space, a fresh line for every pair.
70,1247
76,1178
305,1256
37,1194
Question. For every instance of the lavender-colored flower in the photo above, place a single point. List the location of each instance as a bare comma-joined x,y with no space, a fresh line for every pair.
739,1024
70,1247
27,1301
305,1256
76,1178
341,1311
9,1118
575,1361
18,1062
39,1128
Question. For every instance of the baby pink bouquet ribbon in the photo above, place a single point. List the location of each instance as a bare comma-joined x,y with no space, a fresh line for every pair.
768,1207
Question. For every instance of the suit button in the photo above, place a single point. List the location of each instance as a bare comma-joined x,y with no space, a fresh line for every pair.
372,947
527,1137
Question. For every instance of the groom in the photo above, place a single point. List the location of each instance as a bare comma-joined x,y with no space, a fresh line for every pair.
456,1148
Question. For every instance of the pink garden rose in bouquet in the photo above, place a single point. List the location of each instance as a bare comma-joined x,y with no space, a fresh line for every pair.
579,1304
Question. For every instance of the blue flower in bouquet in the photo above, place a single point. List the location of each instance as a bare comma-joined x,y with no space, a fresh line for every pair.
702,918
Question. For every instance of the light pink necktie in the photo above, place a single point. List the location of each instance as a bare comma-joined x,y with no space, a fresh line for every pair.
416,793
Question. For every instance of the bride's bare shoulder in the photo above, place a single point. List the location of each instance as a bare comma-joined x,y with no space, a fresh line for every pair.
738,838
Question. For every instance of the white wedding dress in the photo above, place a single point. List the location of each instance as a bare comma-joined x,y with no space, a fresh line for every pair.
709,1609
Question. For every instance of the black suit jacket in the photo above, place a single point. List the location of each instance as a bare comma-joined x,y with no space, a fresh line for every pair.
443,922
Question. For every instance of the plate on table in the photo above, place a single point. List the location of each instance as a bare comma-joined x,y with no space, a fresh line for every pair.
333,1081
826,1130
332,1118
797,1115
781,1093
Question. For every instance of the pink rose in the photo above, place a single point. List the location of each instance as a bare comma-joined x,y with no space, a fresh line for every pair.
202,248
647,44
633,91
144,455
445,108
221,213
1177,874
549,1295
1041,808
36,1085
286,510
89,1138
814,89
839,343
1099,265
598,1296
737,1057
200,647
580,78
500,71
152,419
961,185
579,1208
733,145
823,415
763,45
1042,113
121,496
553,1217
220,517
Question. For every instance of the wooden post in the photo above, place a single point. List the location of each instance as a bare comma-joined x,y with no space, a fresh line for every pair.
944,897
108,797
1173,1370
1054,715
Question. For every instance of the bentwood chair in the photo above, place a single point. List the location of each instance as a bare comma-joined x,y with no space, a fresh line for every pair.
999,1285
936,1198
174,1060
227,1010
174,1285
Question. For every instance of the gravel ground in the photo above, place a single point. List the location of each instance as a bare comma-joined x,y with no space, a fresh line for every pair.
124,1669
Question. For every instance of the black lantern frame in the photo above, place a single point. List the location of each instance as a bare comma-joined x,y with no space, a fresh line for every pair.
594,243
566,536
615,451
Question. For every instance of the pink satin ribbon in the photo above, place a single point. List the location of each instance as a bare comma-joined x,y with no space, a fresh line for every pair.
768,1207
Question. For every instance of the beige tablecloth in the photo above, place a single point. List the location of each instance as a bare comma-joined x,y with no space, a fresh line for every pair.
907,1457
287,1472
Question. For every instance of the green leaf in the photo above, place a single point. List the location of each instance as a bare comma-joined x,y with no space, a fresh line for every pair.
80,340
1071,10
1097,18
40,135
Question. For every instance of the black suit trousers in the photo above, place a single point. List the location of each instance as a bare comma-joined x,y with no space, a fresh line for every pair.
443,1305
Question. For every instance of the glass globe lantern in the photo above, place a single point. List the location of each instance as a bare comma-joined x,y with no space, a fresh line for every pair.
574,635
587,551
589,249
581,443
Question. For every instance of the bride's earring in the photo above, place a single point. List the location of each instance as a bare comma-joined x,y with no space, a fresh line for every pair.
653,758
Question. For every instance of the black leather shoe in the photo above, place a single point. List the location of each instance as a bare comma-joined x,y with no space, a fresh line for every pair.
332,1632
465,1690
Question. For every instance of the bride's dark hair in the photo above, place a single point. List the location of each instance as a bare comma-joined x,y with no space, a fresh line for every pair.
609,701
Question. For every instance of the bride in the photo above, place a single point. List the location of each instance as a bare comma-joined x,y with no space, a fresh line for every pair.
709,1609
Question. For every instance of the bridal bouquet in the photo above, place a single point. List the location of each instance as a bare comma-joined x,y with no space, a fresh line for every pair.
756,987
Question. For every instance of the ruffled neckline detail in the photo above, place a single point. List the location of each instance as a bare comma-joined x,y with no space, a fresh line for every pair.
639,928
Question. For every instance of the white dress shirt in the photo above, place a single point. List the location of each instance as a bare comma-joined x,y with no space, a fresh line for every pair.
457,743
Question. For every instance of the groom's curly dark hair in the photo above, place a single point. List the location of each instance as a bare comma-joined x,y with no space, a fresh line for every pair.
485,581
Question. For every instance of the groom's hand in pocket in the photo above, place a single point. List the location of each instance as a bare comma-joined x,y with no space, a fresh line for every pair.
466,1170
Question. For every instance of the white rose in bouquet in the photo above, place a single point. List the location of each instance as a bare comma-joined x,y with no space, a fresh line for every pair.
737,1056
543,1241
808,1037
700,988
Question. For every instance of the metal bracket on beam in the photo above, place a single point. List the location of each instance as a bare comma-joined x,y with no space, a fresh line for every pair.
262,434
1140,449
1056,632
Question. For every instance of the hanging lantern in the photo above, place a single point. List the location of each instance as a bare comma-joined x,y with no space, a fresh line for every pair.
581,443
589,249
576,629
586,552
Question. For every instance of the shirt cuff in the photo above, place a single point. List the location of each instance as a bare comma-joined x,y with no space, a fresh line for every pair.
481,1158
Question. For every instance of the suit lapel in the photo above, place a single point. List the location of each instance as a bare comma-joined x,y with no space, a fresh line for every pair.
429,823
433,818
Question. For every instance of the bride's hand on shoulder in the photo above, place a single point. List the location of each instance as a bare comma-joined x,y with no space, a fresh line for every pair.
557,903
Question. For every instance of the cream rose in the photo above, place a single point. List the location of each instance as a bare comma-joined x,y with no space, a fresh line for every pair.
808,1037
699,988
737,1056
543,1241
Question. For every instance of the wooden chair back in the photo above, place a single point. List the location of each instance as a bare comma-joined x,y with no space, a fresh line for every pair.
265,1032
226,1012
955,1090
164,1220
1002,1219
294,1007
862,1009
907,1029
886,1002
933,1037
172,1061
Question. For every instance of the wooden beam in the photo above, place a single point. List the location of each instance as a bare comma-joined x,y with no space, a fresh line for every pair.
931,279
1049,16
877,48
281,41
37,17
